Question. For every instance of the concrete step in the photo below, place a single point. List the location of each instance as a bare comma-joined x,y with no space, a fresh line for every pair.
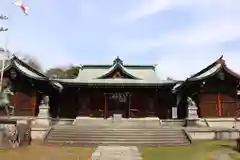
114,129
91,135
114,143
117,131
117,137
133,141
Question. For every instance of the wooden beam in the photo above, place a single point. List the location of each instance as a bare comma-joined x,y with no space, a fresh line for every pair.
105,105
219,105
129,104
237,103
33,103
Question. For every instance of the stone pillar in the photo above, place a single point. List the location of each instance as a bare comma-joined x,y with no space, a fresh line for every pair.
1,136
43,117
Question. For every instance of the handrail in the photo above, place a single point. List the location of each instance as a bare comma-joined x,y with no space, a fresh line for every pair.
46,134
205,120
187,135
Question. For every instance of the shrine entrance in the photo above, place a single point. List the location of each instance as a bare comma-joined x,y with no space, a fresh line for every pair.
117,103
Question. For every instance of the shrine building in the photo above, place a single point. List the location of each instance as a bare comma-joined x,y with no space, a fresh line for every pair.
104,90
134,91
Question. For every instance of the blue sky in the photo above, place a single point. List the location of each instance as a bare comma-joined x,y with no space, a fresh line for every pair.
181,37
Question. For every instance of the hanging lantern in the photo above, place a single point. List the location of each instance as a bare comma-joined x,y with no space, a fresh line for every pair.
13,74
203,83
221,75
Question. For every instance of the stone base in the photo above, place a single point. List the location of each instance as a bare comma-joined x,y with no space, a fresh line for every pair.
117,117
1,136
38,133
43,122
191,122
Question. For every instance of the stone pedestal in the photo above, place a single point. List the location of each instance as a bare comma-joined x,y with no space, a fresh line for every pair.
191,122
117,118
1,136
43,117
192,118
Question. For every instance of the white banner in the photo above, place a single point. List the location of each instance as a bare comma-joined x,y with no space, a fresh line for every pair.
174,112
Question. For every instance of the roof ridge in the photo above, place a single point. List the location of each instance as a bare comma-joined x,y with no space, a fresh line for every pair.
14,57
218,61
114,67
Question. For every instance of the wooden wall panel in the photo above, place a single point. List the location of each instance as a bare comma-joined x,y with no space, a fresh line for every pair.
139,105
23,104
229,109
209,106
208,109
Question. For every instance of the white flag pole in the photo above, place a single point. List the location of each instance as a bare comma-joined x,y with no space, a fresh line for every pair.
5,48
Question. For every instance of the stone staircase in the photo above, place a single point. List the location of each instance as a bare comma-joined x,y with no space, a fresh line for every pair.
74,135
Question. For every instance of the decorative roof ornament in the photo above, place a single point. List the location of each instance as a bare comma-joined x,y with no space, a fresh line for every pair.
221,61
118,60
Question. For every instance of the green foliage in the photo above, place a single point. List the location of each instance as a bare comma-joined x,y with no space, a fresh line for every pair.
56,73
70,72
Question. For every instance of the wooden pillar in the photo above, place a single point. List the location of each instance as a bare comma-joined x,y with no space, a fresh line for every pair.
33,103
219,105
237,103
156,107
129,104
105,105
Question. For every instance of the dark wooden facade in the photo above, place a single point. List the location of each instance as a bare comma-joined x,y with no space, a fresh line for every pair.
219,98
215,93
133,91
28,86
102,102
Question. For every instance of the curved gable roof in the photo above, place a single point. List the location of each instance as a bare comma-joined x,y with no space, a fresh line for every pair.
28,71
209,71
114,68
139,75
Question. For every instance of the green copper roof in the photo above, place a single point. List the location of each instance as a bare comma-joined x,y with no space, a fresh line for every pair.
121,67
138,75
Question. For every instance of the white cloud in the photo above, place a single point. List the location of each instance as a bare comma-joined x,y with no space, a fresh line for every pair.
206,34
194,46
146,8
149,7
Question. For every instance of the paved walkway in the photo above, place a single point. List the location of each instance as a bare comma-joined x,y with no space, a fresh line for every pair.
223,156
116,153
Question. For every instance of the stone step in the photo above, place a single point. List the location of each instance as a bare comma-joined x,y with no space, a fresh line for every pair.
116,137
133,141
116,131
114,143
116,134
81,136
